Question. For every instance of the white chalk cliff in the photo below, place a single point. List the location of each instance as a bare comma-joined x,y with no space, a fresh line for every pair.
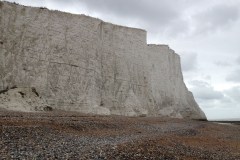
80,63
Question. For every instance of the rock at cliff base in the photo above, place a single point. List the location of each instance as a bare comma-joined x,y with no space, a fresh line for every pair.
22,99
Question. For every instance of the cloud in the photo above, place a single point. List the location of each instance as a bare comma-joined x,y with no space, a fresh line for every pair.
211,100
145,10
189,61
217,104
222,113
171,18
152,15
234,76
238,60
218,17
203,91
207,77
234,93
222,64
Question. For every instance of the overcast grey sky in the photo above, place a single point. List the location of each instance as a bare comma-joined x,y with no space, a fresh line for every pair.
205,33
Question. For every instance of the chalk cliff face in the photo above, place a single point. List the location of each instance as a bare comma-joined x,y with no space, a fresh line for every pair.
79,63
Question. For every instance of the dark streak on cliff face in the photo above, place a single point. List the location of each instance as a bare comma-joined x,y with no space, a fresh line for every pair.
1,4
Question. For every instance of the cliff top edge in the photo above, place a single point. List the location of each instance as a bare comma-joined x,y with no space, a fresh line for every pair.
73,14
139,30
